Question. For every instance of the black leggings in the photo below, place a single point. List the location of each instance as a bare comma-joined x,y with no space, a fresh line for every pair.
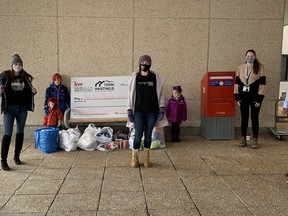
175,130
245,108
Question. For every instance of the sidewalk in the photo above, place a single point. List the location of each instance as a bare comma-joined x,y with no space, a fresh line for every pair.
194,177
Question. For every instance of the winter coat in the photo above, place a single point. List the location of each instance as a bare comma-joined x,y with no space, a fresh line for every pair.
54,117
60,93
132,98
5,77
176,110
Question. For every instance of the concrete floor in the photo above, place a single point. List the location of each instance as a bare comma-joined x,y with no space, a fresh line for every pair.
194,177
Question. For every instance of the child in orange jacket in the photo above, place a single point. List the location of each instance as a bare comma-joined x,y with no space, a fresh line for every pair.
55,116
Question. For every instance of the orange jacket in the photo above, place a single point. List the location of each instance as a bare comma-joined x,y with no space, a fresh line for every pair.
54,117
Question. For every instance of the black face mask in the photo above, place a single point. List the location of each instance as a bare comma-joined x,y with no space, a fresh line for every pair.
144,67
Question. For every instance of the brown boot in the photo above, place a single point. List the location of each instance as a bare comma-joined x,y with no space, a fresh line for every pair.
135,160
255,143
147,158
243,142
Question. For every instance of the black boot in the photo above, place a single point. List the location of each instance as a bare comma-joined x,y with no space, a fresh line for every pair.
18,147
4,152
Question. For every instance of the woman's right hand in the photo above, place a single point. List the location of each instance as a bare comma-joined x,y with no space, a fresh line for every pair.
1,89
239,103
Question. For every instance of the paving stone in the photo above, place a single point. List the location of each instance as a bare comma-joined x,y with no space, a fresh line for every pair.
28,204
122,200
75,202
43,186
168,199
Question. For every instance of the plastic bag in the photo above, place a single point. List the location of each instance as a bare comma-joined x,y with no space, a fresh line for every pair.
88,140
107,146
46,139
69,138
105,135
158,138
92,129
131,139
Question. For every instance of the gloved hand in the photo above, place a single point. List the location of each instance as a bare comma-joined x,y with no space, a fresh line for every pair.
161,113
130,115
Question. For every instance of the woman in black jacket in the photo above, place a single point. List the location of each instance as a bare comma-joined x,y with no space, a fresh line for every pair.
17,98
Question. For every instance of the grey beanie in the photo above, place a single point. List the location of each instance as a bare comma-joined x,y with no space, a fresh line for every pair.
145,58
16,59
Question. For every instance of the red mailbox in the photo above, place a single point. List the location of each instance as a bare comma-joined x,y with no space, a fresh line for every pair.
217,94
218,105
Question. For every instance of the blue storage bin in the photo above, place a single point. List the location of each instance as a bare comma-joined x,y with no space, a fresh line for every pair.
46,139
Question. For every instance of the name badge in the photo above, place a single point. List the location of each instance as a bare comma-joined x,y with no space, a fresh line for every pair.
246,88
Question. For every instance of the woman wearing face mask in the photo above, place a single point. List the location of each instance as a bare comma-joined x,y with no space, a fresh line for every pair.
146,107
17,98
249,90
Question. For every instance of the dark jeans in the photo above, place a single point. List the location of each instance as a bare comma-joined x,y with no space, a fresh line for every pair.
14,112
245,108
143,122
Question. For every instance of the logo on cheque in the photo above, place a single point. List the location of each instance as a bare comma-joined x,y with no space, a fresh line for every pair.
105,85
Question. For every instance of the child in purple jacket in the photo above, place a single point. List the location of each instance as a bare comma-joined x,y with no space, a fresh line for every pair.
176,111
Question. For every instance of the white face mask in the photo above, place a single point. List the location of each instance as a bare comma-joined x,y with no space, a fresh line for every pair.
17,67
250,60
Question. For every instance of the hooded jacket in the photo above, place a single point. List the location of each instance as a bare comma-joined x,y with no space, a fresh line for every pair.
54,116
176,110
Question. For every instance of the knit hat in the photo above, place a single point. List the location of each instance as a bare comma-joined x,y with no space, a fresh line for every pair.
16,59
56,76
145,58
177,88
53,100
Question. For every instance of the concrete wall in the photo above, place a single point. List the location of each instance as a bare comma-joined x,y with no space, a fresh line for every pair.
185,38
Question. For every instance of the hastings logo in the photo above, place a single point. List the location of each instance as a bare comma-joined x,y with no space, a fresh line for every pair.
105,85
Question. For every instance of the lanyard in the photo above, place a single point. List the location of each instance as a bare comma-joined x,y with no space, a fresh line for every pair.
247,73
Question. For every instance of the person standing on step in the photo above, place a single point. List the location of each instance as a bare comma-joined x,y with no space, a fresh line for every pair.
146,107
176,112
17,95
249,91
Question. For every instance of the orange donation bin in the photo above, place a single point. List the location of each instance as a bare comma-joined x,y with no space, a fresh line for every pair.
218,105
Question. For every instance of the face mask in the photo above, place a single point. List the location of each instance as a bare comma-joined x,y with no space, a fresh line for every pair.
17,68
145,67
250,60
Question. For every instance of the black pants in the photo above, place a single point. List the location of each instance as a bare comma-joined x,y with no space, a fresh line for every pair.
175,130
245,108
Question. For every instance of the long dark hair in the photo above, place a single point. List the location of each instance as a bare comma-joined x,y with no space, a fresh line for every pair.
256,64
24,76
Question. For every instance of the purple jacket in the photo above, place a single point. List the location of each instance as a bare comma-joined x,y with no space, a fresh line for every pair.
176,110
